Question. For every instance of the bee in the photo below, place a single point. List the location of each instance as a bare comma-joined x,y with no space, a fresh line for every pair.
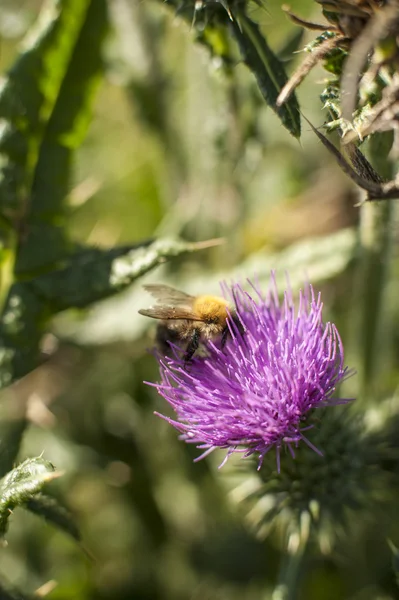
188,320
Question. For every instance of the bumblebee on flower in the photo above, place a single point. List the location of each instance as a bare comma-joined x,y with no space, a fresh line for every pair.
256,391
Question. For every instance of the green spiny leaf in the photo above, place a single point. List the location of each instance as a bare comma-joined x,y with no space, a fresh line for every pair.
49,509
44,240
96,274
216,17
21,484
46,105
27,98
89,276
267,69
21,327
31,469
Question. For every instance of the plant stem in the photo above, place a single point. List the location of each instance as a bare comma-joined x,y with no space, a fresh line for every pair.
375,255
291,568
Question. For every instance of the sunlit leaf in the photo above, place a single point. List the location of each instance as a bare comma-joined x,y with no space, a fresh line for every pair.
95,274
89,276
45,103
267,68
44,240
28,99
21,484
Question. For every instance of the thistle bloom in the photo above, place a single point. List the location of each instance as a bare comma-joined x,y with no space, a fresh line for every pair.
257,392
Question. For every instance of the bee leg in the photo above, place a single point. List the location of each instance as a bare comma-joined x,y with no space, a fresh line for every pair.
226,330
225,335
192,346
239,325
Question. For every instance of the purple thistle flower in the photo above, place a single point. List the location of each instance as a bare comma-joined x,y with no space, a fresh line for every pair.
256,392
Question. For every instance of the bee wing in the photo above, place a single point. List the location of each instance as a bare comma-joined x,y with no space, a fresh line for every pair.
166,313
165,294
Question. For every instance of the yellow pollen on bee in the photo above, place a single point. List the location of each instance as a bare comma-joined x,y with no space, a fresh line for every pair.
211,307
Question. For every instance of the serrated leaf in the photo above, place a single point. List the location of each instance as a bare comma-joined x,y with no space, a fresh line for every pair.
45,103
49,509
44,241
21,328
21,484
90,275
255,51
96,274
27,98
267,68
32,469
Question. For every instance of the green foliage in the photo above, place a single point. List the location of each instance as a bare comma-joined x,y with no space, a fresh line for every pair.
214,21
22,487
49,509
38,86
90,275
95,274
21,484
267,69
46,102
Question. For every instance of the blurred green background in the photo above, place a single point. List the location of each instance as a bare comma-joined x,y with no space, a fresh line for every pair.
175,147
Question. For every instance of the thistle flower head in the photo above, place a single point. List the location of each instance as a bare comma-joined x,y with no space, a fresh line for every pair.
257,392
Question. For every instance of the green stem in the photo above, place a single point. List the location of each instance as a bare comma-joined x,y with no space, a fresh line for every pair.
291,568
375,258
375,247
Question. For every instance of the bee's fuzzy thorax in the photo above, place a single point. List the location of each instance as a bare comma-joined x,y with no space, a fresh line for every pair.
211,307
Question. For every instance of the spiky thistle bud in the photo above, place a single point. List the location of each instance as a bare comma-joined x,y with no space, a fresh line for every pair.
319,496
